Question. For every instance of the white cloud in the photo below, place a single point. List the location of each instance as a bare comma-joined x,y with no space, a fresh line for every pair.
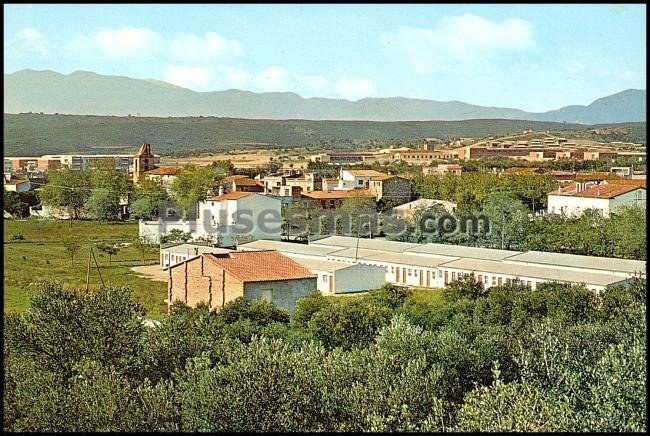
190,47
195,78
460,40
355,88
28,42
274,78
126,42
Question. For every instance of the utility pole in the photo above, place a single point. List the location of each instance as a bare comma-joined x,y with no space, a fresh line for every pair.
97,266
88,269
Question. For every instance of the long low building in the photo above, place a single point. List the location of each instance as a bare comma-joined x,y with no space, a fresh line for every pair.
435,265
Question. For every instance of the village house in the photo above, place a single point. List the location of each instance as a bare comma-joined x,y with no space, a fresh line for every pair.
241,183
227,218
575,198
441,169
218,278
164,175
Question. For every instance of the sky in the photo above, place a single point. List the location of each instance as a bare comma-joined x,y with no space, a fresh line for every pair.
530,57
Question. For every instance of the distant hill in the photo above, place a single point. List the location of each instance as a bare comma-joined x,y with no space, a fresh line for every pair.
34,134
86,93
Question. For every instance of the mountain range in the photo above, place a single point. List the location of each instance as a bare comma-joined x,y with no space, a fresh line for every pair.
87,93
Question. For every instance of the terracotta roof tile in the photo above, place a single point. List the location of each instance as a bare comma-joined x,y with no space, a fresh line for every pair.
165,171
339,194
234,195
366,173
260,266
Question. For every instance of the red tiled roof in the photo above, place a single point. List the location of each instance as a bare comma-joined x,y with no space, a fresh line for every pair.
260,266
339,194
234,195
366,173
604,190
165,171
629,182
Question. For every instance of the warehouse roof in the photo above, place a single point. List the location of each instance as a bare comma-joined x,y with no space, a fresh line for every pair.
289,247
372,244
538,272
578,261
461,251
389,257
320,264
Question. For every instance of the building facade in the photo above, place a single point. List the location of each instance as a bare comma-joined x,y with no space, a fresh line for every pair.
216,279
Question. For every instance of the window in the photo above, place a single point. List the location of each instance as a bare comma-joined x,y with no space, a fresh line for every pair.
494,280
440,273
480,278
528,283
415,273
267,295
409,272
325,277
360,182
507,281
453,275
392,269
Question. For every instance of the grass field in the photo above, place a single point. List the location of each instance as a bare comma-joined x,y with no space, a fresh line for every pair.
42,256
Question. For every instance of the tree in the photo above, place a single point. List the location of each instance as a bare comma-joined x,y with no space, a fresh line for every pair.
508,220
68,189
193,185
111,250
176,235
13,204
109,186
142,244
354,209
148,196
63,327
72,247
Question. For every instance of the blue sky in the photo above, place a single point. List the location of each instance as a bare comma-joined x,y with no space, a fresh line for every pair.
532,57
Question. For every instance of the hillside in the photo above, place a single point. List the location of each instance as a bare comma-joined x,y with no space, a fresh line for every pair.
87,93
35,134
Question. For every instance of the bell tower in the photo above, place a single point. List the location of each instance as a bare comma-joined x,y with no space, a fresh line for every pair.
143,161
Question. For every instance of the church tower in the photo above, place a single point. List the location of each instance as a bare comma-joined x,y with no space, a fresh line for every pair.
143,161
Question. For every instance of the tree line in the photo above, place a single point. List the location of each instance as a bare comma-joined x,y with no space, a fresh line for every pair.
557,358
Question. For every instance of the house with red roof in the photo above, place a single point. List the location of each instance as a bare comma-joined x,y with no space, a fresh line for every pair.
575,198
218,278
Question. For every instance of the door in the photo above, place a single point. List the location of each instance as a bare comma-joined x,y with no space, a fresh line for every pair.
422,278
446,277
397,274
428,279
499,280
331,284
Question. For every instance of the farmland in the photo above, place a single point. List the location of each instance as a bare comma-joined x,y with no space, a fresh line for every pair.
42,255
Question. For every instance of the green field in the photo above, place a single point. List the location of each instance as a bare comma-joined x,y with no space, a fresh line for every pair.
42,256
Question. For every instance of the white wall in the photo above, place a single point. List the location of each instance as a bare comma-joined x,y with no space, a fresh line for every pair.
574,206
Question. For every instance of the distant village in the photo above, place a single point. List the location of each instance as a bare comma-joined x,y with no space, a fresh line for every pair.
266,263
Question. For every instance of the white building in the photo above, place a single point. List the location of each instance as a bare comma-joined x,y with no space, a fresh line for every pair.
358,179
435,265
228,218
575,198
173,254
165,175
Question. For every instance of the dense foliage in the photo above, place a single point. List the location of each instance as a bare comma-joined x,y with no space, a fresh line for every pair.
507,202
509,358
52,134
